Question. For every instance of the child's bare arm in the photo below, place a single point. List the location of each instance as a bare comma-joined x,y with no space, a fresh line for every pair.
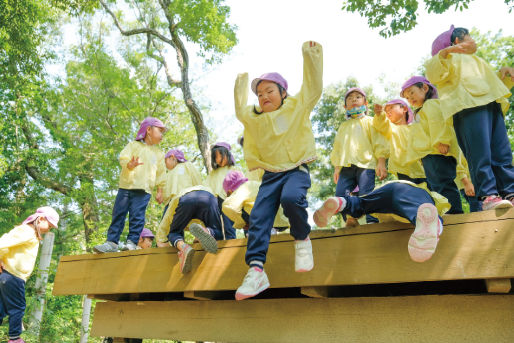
468,47
381,169
469,189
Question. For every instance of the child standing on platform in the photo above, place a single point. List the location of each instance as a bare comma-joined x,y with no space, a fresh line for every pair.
142,168
222,162
279,139
473,97
405,199
359,151
437,148
18,253
398,128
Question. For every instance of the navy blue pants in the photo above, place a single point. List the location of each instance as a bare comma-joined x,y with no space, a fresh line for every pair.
200,205
228,225
288,189
483,139
475,205
353,176
416,180
133,202
396,197
12,302
441,172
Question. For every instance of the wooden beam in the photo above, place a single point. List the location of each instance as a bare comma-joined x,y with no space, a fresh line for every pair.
498,285
201,295
432,318
315,292
370,254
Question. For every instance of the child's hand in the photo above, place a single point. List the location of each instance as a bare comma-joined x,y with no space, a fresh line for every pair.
381,170
312,44
158,196
469,189
378,109
1,266
134,162
504,71
336,175
443,148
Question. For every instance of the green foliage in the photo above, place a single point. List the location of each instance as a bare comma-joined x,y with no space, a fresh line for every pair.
394,17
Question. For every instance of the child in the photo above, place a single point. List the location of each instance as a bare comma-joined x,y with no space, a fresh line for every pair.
413,202
18,252
279,139
399,137
471,96
437,148
359,150
222,162
181,174
241,195
197,208
142,168
146,239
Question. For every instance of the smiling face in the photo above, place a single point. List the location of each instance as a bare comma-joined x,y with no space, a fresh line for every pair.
416,95
269,96
355,99
145,242
396,114
171,162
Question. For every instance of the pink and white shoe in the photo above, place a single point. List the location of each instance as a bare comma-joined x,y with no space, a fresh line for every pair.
424,239
254,283
303,261
330,207
494,201
17,340
185,258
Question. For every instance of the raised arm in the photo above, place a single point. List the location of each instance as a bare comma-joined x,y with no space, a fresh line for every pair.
312,85
241,94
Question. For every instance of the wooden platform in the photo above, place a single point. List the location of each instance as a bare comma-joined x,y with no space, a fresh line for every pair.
363,277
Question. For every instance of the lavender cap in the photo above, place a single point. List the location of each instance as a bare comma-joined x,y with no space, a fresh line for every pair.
146,233
145,124
178,154
233,180
47,212
410,115
442,41
416,79
354,89
274,77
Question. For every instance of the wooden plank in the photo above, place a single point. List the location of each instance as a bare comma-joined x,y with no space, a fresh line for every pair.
201,295
377,254
498,285
432,318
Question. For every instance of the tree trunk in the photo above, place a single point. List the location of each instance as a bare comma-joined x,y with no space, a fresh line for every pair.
89,206
41,281
86,313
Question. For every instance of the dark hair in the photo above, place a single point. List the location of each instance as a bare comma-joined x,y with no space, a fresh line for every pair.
280,89
459,33
241,141
428,95
224,153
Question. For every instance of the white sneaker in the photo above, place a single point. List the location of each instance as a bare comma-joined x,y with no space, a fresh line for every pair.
254,283
128,246
424,239
106,247
303,260
330,207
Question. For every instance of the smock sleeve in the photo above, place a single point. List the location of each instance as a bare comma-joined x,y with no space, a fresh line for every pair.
383,125
126,155
312,85
241,95
233,208
438,69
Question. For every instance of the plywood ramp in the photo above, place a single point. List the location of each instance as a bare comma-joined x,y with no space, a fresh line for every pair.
472,246
448,318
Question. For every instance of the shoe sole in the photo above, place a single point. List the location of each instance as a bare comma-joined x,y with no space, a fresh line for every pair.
309,267
188,262
500,205
424,239
102,252
206,240
327,210
242,296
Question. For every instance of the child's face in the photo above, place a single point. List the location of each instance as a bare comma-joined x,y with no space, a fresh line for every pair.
221,160
145,243
44,225
355,99
154,135
396,114
415,95
466,38
171,162
269,96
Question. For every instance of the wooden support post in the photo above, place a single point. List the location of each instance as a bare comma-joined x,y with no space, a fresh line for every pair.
498,285
316,291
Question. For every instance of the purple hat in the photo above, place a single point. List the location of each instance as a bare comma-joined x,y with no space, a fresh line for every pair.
416,79
274,77
146,233
145,124
410,115
178,154
442,41
354,89
233,180
47,212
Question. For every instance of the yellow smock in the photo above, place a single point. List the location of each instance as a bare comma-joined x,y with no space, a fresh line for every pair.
18,251
184,175
215,180
145,176
283,139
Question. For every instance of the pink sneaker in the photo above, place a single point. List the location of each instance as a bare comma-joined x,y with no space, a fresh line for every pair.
493,201
204,237
185,258
330,207
424,239
254,283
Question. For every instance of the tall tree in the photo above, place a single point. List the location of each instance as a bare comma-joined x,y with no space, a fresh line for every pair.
167,24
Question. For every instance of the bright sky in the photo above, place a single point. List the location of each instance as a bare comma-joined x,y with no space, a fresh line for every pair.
271,33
